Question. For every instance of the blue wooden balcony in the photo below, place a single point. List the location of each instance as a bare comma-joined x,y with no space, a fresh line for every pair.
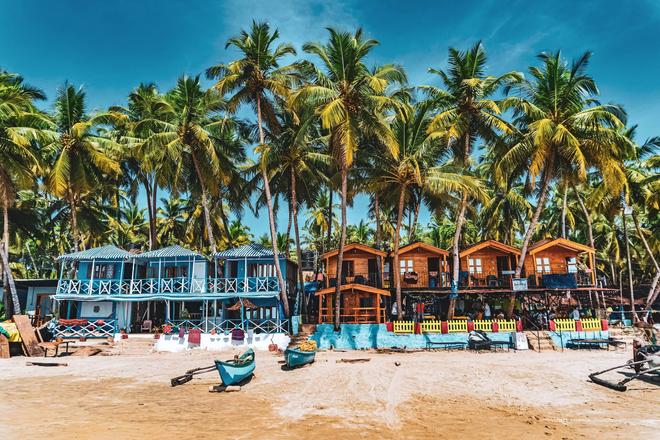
177,286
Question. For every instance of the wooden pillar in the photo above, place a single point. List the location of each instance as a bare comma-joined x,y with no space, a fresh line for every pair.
592,266
91,278
536,273
444,270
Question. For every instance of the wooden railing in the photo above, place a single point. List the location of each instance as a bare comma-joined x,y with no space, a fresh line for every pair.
83,328
457,326
591,324
404,327
564,325
431,326
225,325
178,285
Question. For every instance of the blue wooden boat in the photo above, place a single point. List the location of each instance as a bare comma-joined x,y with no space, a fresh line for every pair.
238,369
294,357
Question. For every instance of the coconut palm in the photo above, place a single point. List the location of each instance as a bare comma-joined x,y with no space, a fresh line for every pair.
258,79
81,158
171,220
466,111
20,127
417,167
564,132
296,162
190,128
351,102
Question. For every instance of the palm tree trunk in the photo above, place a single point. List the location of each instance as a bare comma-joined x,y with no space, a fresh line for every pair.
329,217
294,206
590,229
395,269
147,190
413,231
342,242
545,185
288,229
630,272
225,224
460,219
563,212
377,214
16,305
654,284
205,204
74,223
535,220
271,217
154,214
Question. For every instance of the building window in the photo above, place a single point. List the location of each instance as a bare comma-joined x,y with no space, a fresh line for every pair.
571,265
474,266
406,266
366,302
261,270
102,271
348,268
543,265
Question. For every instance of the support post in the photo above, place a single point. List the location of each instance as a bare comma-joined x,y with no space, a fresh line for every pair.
91,278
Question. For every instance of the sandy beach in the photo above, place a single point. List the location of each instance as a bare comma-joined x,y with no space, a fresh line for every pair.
428,395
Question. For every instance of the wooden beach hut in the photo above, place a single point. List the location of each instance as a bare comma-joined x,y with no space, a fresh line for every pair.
560,263
422,266
488,264
362,299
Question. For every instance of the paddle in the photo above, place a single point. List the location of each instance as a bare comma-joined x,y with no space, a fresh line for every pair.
187,377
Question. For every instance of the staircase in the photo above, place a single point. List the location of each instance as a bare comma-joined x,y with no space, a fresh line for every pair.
539,339
306,330
134,345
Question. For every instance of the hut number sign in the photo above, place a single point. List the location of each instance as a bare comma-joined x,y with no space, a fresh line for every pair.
519,284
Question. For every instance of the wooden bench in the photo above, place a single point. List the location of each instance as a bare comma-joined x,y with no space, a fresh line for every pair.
446,345
588,343
55,346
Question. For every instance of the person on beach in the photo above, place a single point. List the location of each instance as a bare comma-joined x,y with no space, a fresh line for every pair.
575,314
487,312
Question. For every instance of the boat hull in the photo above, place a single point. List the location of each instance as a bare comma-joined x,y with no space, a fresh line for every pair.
296,358
232,373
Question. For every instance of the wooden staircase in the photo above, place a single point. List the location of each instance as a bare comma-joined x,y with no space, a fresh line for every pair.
540,340
306,330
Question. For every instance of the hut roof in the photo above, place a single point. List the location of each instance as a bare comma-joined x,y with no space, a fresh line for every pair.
108,252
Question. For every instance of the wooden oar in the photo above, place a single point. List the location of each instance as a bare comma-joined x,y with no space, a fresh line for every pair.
187,377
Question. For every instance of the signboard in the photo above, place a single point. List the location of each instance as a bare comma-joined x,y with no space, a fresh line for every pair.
519,284
508,272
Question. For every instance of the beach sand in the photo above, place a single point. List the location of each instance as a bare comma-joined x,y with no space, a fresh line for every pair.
429,395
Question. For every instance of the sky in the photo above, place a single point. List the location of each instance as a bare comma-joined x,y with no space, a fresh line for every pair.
109,47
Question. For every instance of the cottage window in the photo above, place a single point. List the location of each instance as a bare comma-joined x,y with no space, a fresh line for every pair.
474,265
543,265
406,266
348,268
571,265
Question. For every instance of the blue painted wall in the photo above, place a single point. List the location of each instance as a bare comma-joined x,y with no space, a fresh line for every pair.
242,265
367,336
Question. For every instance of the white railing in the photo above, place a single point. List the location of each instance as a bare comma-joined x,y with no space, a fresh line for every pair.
227,325
178,285
83,328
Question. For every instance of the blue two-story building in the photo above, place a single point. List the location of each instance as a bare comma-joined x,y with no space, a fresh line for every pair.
105,290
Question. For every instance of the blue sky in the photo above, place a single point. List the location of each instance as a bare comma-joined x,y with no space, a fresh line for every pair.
111,46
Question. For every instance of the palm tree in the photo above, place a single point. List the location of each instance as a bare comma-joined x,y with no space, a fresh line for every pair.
257,78
171,220
466,112
81,158
190,125
297,163
351,103
20,127
416,167
564,132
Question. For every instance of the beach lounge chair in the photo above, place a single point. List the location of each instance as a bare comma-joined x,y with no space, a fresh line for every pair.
147,325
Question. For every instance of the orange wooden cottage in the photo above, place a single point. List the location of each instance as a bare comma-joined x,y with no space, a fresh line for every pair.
421,266
560,256
488,264
361,286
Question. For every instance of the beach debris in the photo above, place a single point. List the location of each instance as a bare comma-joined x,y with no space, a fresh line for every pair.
30,342
353,361
87,351
646,361
224,389
46,364
397,364
4,347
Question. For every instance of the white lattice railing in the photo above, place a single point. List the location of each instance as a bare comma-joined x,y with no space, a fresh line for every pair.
178,285
82,328
226,325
